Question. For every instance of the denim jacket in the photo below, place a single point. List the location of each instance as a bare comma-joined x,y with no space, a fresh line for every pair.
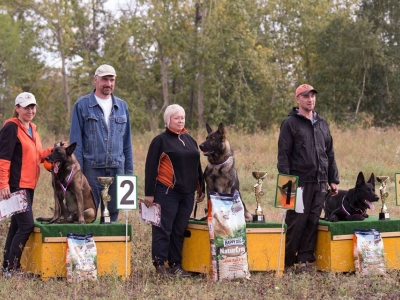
99,146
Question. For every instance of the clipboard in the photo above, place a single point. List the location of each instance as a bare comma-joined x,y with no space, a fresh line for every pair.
286,191
17,203
150,215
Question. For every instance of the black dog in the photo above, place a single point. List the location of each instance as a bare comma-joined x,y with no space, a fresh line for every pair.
73,197
220,174
352,205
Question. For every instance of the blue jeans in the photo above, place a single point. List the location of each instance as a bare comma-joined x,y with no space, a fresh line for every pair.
91,175
167,241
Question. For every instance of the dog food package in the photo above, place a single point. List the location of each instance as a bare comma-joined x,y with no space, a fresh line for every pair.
81,257
368,252
227,228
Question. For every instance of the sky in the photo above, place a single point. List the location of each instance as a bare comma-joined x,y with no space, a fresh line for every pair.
113,4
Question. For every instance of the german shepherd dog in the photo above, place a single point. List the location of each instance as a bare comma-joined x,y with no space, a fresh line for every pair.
352,205
220,174
73,198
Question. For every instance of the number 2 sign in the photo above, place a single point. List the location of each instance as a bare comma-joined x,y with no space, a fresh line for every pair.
127,192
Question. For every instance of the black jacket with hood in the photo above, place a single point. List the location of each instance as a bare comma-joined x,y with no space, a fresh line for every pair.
305,149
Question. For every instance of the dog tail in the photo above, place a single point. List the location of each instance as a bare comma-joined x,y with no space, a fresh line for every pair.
45,220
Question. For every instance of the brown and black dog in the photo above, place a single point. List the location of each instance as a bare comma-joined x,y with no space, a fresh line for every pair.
220,174
73,198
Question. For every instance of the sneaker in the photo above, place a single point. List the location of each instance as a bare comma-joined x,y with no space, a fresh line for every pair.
305,267
162,271
178,271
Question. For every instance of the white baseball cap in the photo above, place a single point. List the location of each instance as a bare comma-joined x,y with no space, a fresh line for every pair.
105,70
24,99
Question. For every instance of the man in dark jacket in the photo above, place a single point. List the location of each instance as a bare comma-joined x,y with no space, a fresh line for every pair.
305,149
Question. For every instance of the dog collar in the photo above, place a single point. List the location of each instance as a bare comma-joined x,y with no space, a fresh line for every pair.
67,181
228,159
347,213
343,208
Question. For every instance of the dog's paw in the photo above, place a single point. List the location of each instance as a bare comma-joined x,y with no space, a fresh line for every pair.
333,218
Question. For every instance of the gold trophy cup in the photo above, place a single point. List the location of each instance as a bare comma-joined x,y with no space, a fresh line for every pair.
260,176
105,197
383,180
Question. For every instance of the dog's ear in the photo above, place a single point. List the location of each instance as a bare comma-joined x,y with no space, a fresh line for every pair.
372,180
70,149
221,129
360,179
209,130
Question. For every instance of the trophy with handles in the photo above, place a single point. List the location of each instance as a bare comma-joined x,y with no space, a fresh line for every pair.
383,180
258,192
105,197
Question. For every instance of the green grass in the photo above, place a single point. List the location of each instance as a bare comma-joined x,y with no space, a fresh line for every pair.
367,150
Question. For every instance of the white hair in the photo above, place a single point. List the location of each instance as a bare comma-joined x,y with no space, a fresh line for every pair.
170,111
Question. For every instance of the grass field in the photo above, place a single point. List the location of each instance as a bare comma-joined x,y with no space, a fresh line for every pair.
368,150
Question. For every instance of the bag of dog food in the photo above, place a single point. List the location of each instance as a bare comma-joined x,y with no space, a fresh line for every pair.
227,229
81,257
369,257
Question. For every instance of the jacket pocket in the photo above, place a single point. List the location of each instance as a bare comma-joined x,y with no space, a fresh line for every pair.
120,123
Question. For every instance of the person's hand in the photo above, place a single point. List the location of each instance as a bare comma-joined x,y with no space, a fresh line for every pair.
148,200
5,193
334,189
61,144
200,197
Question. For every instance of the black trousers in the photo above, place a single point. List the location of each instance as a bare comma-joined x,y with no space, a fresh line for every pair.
167,241
20,229
301,236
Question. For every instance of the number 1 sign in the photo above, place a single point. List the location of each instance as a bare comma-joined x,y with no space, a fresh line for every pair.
286,190
127,192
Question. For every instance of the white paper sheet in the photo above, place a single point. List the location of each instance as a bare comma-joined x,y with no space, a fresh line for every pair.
299,201
17,203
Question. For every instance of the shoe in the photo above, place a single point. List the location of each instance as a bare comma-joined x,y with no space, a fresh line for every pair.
161,270
305,267
8,273
178,271
289,270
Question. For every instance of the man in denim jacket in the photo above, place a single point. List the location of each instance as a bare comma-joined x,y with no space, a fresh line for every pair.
100,126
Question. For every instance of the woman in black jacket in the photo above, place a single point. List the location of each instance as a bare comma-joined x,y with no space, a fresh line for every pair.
172,174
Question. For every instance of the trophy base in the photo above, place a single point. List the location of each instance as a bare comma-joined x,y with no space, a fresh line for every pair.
258,219
105,220
384,216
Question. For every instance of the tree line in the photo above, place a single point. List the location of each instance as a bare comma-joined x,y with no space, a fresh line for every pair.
236,62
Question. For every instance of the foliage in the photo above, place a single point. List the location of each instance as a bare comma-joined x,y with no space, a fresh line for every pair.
232,62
